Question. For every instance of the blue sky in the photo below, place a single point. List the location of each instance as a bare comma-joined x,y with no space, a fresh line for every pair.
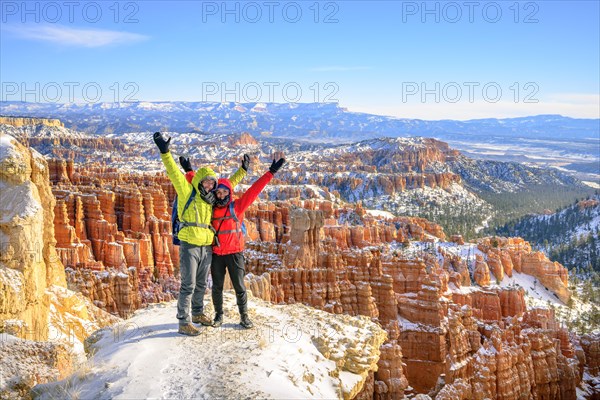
414,59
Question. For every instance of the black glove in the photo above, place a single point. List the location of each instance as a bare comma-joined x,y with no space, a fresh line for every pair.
208,197
276,165
163,145
185,163
246,162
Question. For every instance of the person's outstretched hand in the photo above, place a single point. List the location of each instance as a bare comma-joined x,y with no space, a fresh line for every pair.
246,162
186,164
276,165
163,145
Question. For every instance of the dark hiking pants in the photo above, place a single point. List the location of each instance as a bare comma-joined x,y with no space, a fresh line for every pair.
234,263
194,262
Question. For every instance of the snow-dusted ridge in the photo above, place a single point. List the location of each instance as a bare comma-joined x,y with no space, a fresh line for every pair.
294,352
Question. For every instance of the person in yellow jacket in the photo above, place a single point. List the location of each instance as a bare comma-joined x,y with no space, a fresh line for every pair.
197,235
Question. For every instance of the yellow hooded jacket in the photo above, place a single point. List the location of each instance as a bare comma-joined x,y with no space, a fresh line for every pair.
199,211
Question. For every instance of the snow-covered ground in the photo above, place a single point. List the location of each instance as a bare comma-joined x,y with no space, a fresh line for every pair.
484,224
467,251
381,214
291,353
535,292
590,386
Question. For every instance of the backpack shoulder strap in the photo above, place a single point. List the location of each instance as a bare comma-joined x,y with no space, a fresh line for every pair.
232,212
238,229
190,199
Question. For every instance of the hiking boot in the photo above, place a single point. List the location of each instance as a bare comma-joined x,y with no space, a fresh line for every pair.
202,319
189,330
218,320
245,321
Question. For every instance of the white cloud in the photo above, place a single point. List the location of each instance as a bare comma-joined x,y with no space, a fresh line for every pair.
576,106
73,36
575,98
338,68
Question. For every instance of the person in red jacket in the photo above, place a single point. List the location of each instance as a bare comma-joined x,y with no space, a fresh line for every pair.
229,243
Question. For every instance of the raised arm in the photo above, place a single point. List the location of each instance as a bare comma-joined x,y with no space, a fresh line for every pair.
241,172
182,188
257,187
237,177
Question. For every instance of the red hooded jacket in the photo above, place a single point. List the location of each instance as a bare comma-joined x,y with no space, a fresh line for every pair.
230,236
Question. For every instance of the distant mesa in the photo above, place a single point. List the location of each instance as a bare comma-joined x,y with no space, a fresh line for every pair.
24,121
